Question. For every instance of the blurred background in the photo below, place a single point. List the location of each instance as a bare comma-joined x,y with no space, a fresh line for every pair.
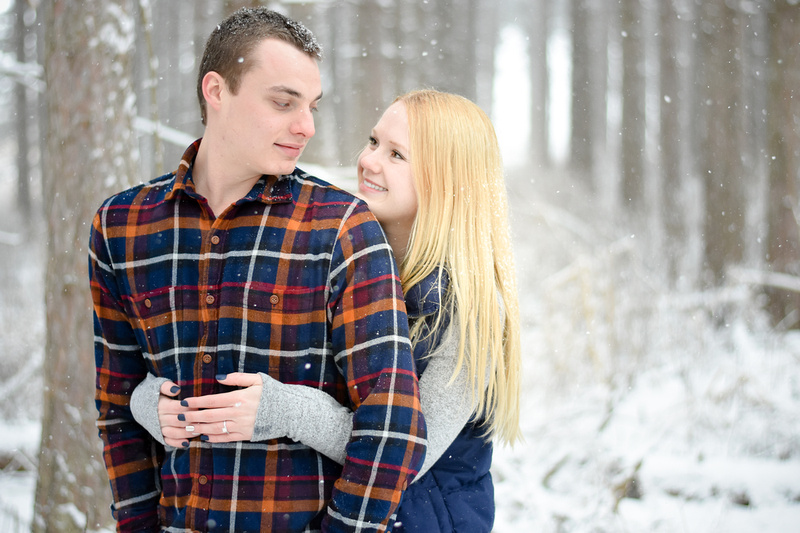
652,153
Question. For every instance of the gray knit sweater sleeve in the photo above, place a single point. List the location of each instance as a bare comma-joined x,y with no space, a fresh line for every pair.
314,418
144,405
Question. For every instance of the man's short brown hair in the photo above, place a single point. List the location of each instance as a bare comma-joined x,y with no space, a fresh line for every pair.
230,44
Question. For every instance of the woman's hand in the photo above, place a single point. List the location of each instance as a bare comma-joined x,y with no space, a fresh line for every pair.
223,417
171,416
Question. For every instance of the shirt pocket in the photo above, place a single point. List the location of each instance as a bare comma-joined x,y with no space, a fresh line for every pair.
162,322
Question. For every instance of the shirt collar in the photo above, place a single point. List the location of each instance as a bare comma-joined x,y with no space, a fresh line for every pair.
268,189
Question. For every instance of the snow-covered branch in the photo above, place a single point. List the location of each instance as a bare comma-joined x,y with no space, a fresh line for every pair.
171,135
31,74
777,280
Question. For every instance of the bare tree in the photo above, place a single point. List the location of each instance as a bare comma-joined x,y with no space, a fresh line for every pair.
673,135
582,57
588,145
784,167
90,151
535,17
720,149
21,106
632,134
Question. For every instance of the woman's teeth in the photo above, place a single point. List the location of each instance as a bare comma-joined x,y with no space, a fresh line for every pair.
375,187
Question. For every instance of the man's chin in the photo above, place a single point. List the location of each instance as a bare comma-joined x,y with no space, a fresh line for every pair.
282,170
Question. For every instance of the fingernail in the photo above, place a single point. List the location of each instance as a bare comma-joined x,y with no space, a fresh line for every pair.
204,437
174,389
182,417
184,403
221,377
185,444
189,428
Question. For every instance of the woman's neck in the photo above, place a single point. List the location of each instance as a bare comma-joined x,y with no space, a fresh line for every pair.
398,237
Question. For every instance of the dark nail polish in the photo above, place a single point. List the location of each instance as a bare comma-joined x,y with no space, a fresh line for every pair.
221,377
182,417
185,444
184,403
203,438
174,389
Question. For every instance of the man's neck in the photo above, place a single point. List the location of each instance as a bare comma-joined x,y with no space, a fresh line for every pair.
216,180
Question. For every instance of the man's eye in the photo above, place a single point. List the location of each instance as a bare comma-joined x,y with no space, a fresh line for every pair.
282,105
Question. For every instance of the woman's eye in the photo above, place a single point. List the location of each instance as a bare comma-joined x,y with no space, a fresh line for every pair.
397,154
372,141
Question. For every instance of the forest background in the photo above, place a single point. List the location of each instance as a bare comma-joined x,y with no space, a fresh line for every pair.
653,159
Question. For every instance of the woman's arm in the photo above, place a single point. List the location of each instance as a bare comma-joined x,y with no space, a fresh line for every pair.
320,422
314,418
144,405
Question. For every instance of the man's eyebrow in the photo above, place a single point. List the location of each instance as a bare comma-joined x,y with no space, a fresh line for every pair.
291,92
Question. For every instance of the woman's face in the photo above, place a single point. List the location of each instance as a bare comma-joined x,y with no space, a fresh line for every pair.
385,180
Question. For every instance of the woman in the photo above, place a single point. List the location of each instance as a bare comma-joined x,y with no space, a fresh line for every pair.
432,175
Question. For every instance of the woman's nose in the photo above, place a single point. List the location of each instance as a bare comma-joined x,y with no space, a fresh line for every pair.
368,160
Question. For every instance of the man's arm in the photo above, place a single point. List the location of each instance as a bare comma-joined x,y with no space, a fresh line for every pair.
369,339
130,455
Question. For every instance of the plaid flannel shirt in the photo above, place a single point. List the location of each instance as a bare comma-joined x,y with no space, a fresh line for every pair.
295,280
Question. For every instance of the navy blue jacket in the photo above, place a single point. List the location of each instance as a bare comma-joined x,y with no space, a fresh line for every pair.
456,494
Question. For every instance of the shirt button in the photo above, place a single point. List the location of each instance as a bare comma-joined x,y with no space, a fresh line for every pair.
210,299
274,299
203,480
147,303
215,239
206,358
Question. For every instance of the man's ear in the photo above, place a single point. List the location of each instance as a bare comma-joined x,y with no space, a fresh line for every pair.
213,87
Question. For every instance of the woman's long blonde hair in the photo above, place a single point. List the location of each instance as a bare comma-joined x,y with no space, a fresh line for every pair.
462,226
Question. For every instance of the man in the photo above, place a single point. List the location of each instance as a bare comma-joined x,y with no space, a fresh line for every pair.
238,262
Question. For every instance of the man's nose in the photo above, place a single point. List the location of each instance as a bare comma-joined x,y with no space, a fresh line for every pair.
304,124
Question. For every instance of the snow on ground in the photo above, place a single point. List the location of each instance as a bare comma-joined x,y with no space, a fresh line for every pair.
668,424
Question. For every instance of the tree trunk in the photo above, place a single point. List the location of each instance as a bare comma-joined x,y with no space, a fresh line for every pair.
90,151
632,146
784,149
535,24
598,94
485,25
22,116
722,170
671,138
580,159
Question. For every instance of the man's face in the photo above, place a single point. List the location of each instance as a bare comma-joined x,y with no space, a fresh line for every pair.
265,126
